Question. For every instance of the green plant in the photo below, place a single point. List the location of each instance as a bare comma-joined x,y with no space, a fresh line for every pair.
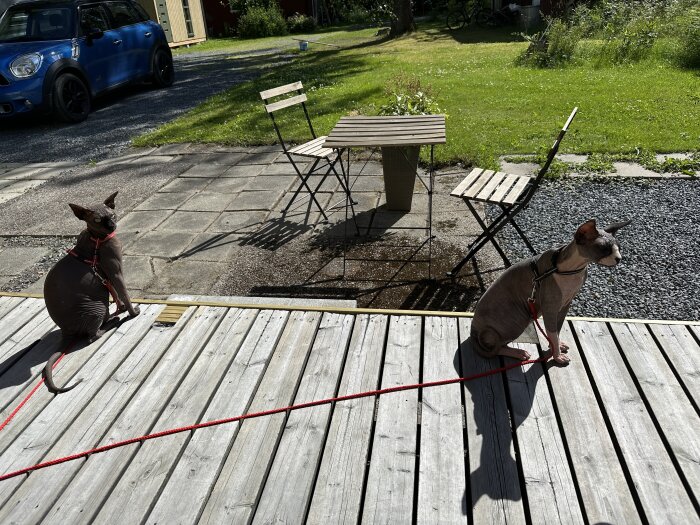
689,28
262,21
552,47
408,97
298,23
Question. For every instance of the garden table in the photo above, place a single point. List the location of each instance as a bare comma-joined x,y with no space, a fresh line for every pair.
400,139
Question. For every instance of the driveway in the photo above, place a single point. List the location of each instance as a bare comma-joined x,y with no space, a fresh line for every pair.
129,112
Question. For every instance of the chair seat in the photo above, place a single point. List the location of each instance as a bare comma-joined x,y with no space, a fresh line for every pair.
491,186
314,149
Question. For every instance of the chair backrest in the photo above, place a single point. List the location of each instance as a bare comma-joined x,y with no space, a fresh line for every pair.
279,98
525,198
555,147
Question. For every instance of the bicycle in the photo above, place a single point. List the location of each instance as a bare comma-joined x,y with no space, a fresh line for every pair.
459,16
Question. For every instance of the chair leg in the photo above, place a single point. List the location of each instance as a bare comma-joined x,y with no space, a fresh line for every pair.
304,184
488,235
348,196
519,230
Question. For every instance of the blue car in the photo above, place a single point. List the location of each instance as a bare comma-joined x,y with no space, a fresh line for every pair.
57,55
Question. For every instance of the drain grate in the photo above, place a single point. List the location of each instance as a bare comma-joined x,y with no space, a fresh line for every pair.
171,314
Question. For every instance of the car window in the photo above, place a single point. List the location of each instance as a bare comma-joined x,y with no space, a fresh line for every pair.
122,14
32,23
93,17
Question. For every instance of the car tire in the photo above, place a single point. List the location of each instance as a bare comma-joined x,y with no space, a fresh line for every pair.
71,98
163,73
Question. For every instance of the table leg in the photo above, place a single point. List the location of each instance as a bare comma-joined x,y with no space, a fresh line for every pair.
400,165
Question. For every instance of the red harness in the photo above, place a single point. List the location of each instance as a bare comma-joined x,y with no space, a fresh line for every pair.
94,262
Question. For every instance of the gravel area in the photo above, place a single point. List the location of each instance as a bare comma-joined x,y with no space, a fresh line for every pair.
658,277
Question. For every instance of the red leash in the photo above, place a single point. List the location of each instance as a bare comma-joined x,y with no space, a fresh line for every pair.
264,413
33,391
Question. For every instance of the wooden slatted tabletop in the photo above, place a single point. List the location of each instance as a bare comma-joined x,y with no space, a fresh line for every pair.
407,130
610,438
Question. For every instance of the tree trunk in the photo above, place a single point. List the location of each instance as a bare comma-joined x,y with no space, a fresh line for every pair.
403,18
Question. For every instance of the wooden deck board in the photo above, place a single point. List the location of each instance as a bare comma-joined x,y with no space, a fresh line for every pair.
610,438
662,495
548,480
495,488
338,493
390,484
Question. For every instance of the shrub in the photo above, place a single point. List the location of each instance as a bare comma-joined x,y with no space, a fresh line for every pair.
552,47
262,21
689,28
633,42
408,97
298,23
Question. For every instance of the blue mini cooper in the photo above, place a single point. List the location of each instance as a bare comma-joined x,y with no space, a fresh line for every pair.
56,55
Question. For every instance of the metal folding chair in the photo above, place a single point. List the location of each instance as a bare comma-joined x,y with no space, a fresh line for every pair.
324,158
511,193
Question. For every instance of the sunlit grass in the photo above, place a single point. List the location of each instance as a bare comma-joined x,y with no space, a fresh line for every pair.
493,106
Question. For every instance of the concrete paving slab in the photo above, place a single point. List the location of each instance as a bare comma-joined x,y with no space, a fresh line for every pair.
7,196
138,271
24,172
285,168
229,185
255,200
5,183
4,279
244,170
160,244
15,259
211,247
164,201
629,169
208,201
277,182
148,160
23,185
173,149
205,170
38,285
186,276
518,168
186,185
572,158
142,221
188,221
238,222
219,158
372,183
260,158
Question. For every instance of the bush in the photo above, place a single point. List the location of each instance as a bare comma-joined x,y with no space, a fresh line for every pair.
552,47
633,42
262,21
689,28
409,97
298,23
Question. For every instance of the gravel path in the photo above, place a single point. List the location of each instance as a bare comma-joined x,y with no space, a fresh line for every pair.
659,276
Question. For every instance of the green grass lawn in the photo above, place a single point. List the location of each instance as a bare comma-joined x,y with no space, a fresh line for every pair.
493,106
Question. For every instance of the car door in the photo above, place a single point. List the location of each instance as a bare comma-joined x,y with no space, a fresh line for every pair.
99,55
136,36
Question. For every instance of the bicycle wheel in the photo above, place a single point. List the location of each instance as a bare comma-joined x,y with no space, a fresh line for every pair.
455,20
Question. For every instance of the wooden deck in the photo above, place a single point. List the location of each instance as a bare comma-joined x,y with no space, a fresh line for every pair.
614,437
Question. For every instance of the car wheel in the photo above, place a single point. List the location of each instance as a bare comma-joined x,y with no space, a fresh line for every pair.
163,73
71,98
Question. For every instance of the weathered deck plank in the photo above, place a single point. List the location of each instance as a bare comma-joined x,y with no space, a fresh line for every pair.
131,498
82,499
665,396
601,480
207,452
442,482
21,314
390,484
36,495
551,492
289,484
660,490
338,491
683,352
7,304
47,427
495,488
